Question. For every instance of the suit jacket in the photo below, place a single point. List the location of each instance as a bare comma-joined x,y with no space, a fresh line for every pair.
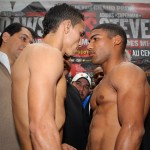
8,138
75,127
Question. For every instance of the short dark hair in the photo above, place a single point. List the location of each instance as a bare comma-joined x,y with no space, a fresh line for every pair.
15,28
59,13
33,33
113,30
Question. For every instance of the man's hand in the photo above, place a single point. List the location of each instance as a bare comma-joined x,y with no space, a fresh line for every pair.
67,147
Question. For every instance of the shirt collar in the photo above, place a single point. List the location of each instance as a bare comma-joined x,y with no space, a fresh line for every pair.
5,61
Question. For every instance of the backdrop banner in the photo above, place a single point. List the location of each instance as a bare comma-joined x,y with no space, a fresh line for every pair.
133,17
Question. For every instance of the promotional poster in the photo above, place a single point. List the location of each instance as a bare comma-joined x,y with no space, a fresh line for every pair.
133,17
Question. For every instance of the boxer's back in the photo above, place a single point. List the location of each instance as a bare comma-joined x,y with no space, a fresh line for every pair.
20,78
27,69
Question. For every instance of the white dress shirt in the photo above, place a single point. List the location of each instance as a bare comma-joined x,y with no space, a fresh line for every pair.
5,61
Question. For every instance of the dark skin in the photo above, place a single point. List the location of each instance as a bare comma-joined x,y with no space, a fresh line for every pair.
122,100
98,75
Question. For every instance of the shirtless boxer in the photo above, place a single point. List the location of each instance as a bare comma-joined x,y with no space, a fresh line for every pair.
98,76
122,95
36,74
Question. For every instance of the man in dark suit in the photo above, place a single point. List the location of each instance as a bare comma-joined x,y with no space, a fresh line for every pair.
76,127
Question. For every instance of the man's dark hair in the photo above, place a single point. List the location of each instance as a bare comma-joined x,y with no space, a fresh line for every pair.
15,28
113,30
59,13
33,33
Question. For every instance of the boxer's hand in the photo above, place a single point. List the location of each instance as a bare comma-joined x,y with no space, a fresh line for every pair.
67,147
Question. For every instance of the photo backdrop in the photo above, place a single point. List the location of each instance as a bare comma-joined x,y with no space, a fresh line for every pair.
133,17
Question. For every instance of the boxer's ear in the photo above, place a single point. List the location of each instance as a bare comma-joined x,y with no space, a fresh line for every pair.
67,25
117,40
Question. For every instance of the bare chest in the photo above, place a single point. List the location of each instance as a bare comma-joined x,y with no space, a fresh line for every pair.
105,93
